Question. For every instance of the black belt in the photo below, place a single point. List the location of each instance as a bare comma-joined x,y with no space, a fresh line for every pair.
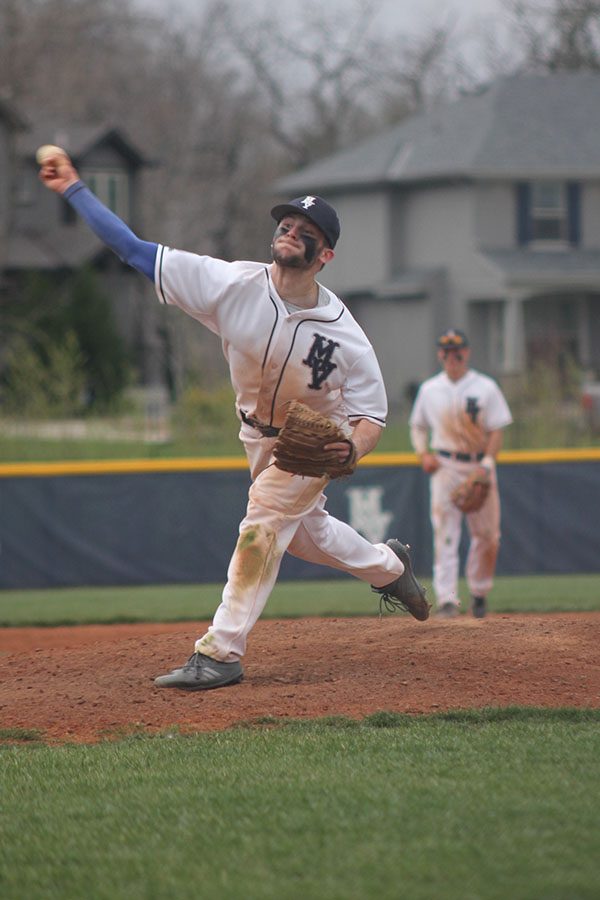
461,457
265,430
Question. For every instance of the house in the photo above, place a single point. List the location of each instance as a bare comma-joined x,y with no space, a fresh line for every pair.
39,231
482,214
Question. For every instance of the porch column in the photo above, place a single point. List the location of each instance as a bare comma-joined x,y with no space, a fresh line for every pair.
514,333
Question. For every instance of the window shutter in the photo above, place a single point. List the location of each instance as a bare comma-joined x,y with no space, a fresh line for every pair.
574,212
523,212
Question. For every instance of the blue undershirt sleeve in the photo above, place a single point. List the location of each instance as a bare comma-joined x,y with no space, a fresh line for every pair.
141,255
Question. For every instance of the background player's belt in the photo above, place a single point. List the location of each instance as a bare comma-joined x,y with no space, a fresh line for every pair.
461,457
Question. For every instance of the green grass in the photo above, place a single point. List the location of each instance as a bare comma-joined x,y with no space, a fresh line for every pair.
63,449
474,807
463,805
172,603
225,442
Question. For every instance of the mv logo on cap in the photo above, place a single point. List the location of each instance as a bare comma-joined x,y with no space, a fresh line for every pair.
308,201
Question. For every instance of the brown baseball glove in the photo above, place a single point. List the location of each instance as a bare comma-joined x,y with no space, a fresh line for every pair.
299,446
471,494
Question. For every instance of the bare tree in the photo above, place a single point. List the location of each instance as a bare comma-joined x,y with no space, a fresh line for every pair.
329,78
224,103
558,34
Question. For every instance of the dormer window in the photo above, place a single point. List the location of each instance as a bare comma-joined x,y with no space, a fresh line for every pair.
548,214
112,188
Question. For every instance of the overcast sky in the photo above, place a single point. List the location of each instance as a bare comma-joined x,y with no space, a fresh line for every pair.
405,15
411,14
469,20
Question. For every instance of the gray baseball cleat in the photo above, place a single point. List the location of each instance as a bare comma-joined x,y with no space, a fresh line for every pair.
405,592
478,607
201,673
448,611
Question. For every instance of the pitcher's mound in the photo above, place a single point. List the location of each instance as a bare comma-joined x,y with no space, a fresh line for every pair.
93,682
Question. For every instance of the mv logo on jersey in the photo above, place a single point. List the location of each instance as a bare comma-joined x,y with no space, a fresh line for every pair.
473,408
319,360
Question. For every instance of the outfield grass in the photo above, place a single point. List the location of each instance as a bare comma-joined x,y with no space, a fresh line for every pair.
343,596
528,433
472,805
486,805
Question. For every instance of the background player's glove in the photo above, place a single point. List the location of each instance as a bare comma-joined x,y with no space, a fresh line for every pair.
471,494
299,446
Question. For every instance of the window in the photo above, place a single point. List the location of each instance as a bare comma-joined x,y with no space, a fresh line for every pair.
112,188
548,213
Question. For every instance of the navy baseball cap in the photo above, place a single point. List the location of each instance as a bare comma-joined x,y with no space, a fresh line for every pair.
317,210
453,339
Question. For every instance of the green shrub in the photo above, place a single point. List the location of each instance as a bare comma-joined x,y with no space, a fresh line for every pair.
89,314
36,321
546,406
203,415
46,381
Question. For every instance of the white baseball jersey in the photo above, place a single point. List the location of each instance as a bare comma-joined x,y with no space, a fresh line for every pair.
460,413
320,356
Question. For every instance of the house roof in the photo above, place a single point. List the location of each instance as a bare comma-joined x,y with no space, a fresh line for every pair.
408,284
59,248
78,140
520,126
559,268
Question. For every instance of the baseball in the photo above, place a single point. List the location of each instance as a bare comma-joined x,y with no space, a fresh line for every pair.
46,151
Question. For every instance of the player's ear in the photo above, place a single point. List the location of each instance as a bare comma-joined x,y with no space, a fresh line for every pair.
326,255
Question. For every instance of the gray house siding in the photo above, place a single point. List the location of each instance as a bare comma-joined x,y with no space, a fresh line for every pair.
495,215
461,182
364,250
5,205
40,233
36,209
399,330
590,215
10,126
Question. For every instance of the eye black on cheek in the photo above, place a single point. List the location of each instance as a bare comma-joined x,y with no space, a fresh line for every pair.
310,247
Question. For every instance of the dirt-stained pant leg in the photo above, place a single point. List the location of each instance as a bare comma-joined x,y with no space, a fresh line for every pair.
484,532
277,501
484,529
446,522
279,504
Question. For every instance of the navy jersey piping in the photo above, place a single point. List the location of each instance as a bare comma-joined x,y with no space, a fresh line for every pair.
160,275
369,416
268,347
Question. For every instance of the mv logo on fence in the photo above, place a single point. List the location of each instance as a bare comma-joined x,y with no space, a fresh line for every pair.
367,514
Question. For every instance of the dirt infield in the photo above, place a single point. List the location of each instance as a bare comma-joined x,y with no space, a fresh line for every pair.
86,683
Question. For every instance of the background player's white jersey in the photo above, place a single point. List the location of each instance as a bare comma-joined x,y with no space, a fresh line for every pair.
319,355
460,413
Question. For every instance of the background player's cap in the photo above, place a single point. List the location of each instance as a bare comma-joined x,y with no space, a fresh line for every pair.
317,210
453,339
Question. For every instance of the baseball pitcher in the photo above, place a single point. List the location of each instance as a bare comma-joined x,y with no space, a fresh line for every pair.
456,429
310,400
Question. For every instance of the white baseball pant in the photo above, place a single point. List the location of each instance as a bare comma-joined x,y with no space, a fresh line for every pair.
284,512
484,532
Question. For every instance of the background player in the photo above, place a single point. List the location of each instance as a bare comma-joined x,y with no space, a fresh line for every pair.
456,426
285,338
